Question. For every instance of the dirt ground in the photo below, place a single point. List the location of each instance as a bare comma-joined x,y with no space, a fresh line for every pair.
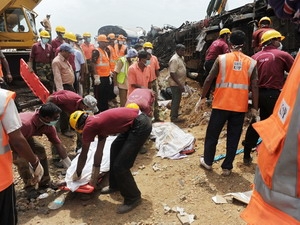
177,183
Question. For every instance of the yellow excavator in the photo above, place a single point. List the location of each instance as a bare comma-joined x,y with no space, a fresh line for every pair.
17,30
17,34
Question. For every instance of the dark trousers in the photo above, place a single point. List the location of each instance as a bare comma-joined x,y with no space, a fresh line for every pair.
208,65
216,123
176,99
266,104
8,211
123,153
101,93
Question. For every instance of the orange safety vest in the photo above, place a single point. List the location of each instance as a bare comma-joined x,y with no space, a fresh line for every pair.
113,57
5,150
1,72
120,51
276,194
233,80
102,64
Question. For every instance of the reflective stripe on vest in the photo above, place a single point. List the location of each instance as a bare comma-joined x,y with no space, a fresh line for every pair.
235,70
5,153
223,84
283,194
120,51
102,64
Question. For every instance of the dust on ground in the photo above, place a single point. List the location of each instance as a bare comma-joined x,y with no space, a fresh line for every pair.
177,183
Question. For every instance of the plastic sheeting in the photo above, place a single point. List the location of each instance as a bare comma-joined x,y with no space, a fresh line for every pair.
170,140
87,169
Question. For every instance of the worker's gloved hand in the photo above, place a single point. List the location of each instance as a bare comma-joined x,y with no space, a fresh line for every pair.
200,104
30,67
97,80
255,114
116,90
95,176
75,176
66,162
37,173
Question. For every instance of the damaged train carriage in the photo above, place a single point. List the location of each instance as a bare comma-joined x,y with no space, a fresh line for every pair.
198,36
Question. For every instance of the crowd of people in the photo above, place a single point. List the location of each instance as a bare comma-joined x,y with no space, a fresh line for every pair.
83,79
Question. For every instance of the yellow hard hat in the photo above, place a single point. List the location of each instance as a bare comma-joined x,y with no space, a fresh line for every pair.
265,18
121,37
74,119
224,31
86,34
269,35
132,106
111,36
147,45
70,36
44,34
60,29
102,37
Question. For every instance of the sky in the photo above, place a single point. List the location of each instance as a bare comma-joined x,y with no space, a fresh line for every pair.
79,16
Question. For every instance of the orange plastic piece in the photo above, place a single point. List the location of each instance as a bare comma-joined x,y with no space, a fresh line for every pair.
82,189
33,82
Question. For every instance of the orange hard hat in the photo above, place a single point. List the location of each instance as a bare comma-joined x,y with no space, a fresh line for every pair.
121,37
102,37
111,36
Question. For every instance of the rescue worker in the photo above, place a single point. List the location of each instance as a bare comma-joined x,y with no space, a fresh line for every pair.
263,26
37,123
41,56
176,81
154,66
60,31
275,198
64,77
133,128
69,102
101,67
139,73
218,47
83,67
113,57
120,47
272,63
120,75
235,73
87,48
3,63
11,137
47,25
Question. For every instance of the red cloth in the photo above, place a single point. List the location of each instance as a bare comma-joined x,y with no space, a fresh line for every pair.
271,64
217,48
109,122
40,55
67,101
32,126
144,98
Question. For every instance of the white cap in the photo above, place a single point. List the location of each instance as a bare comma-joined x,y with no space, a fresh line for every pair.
91,102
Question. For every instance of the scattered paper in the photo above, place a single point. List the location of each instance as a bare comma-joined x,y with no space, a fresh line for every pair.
240,196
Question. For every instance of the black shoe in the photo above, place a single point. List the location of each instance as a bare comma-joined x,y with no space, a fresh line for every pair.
108,190
143,150
247,161
126,208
